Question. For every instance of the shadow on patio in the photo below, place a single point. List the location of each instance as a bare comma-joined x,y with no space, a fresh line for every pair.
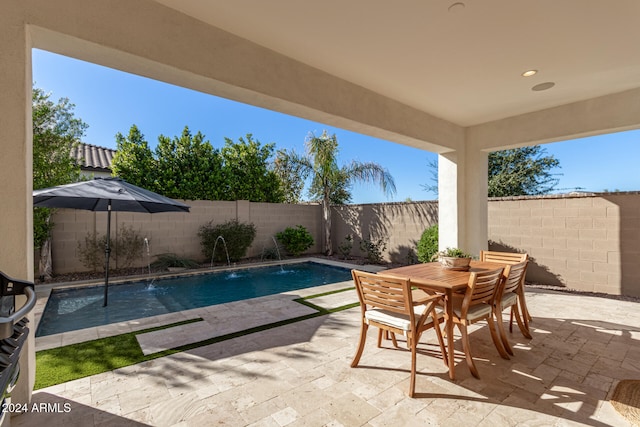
299,374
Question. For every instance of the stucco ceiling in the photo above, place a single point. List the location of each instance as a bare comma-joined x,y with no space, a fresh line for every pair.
461,62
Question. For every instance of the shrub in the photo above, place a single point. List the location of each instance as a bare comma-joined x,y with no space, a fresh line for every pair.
270,253
373,250
295,240
129,246
91,251
428,244
168,260
345,247
126,248
237,236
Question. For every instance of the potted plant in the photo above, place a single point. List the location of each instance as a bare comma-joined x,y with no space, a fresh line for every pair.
453,259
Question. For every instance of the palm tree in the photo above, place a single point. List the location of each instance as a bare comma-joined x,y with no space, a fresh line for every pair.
329,182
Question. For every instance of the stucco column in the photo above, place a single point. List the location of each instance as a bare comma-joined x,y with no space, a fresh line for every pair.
477,206
450,200
16,203
462,200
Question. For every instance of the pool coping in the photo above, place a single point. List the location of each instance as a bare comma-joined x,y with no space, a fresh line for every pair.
88,334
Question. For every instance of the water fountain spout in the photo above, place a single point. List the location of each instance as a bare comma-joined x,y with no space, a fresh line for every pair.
275,242
146,245
224,243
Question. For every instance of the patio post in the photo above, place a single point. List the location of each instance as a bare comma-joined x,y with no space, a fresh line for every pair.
462,200
16,143
107,255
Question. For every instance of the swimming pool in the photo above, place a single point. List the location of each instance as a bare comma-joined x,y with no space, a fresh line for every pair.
79,308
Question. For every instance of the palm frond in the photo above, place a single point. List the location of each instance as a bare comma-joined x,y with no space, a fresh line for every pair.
371,173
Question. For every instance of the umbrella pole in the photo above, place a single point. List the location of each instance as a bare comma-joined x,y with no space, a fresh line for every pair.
107,252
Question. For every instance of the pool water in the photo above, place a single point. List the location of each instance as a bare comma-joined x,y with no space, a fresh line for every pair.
79,308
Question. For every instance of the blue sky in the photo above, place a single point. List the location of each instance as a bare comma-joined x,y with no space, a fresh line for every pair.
110,101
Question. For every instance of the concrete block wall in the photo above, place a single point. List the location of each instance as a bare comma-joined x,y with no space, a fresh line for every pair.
70,228
272,218
166,232
400,225
171,232
588,242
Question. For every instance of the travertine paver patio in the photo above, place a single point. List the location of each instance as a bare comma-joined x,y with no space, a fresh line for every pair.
299,374
224,319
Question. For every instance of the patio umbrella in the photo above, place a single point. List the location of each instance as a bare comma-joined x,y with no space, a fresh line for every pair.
105,194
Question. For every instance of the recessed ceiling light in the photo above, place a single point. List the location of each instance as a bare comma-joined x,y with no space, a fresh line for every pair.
543,86
529,73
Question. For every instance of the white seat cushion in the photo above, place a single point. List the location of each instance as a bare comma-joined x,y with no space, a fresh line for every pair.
475,312
509,299
396,320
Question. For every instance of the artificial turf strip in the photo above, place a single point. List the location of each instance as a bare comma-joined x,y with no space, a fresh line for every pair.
311,305
62,364
322,310
337,291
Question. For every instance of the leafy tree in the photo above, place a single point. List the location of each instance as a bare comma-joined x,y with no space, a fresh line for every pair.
330,182
56,131
247,171
185,167
134,161
522,171
188,167
432,166
340,193
292,174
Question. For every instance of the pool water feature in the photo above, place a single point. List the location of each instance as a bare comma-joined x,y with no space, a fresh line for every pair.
79,308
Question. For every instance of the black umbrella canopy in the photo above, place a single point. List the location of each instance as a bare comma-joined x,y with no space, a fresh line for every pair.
95,195
106,194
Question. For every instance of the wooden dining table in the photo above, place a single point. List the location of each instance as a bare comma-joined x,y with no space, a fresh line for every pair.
432,276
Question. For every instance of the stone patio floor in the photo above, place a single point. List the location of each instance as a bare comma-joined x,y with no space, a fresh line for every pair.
299,374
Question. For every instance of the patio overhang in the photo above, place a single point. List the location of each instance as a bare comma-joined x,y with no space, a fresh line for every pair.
444,77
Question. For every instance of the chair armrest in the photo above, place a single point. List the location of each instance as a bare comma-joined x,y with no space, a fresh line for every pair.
421,297
428,298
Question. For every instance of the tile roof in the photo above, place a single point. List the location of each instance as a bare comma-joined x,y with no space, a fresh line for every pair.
93,158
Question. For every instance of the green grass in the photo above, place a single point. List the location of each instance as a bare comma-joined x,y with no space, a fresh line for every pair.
62,364
304,301
329,293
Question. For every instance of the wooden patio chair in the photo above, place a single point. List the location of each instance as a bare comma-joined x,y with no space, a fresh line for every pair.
386,303
519,309
507,296
477,304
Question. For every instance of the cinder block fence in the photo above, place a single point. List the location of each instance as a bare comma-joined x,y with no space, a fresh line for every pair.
588,242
